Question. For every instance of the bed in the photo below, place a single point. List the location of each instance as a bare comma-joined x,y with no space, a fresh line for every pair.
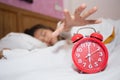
55,63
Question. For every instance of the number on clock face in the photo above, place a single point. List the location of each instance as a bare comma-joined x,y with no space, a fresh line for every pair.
89,55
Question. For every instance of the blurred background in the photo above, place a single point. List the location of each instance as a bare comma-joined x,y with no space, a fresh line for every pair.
18,15
54,8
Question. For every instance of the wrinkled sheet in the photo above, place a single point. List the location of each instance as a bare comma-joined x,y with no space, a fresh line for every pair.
52,63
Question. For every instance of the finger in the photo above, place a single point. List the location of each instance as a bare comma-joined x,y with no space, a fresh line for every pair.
90,12
93,21
79,10
67,15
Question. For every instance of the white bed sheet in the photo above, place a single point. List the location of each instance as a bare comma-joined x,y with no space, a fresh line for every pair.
52,63
55,63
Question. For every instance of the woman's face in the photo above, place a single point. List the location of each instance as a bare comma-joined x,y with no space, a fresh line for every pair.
45,35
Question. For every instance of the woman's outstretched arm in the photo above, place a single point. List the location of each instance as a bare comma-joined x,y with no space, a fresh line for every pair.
77,19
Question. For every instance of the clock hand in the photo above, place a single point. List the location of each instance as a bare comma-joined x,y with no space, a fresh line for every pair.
88,47
88,55
89,59
95,51
92,53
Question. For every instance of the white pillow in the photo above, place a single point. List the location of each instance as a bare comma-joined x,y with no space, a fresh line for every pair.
21,41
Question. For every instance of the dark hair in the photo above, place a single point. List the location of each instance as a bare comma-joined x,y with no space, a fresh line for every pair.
32,30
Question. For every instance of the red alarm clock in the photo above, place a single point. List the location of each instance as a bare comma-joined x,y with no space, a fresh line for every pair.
89,53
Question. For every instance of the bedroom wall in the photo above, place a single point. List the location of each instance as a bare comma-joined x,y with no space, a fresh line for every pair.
107,8
51,8
54,8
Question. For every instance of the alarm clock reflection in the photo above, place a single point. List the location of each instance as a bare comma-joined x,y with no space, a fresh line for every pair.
89,53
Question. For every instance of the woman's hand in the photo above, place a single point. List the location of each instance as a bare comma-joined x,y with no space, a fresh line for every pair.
79,18
1,53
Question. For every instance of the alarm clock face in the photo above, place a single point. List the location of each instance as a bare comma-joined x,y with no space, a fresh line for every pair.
90,55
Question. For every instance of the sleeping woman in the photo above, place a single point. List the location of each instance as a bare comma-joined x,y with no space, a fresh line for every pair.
50,37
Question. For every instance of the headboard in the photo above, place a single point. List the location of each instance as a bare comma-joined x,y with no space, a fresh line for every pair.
13,19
